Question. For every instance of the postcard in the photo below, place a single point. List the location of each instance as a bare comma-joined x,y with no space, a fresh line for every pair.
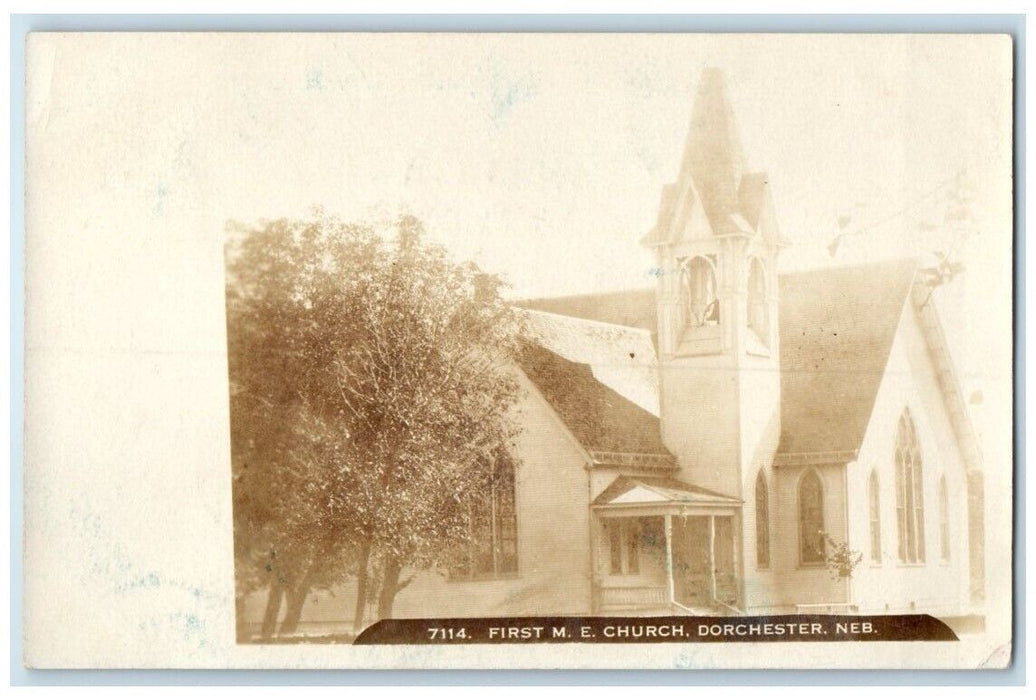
353,350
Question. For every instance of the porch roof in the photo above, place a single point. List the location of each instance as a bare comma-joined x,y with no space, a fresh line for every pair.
659,491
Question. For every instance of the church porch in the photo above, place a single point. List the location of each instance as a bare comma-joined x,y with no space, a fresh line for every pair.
665,547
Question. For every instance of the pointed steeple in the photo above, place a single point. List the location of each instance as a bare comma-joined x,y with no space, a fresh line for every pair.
713,193
713,157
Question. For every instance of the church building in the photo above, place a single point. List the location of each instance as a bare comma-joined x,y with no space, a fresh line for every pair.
731,441
735,440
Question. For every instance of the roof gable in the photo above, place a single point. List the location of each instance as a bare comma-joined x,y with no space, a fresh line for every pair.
629,490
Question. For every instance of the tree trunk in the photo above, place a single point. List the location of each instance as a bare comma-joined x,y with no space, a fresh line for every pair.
273,607
296,601
389,587
361,585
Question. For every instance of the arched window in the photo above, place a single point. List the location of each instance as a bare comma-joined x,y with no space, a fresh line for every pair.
909,492
874,508
944,520
758,321
762,522
698,293
811,519
492,548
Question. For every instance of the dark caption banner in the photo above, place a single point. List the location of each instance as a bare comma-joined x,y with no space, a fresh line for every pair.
633,630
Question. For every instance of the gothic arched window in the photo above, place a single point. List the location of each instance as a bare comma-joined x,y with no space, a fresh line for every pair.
762,522
909,492
874,509
492,548
698,293
758,321
944,520
811,519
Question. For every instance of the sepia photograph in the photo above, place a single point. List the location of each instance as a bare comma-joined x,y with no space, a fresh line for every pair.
410,440
528,338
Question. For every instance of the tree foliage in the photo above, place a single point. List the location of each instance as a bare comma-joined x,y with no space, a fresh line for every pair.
369,381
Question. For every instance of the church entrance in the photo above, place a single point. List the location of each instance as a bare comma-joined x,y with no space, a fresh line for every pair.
704,573
662,546
668,563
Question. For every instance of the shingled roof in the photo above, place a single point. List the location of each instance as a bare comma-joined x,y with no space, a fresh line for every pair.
836,331
632,307
600,418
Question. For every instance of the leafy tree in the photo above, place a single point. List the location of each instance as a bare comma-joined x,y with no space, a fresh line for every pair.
369,381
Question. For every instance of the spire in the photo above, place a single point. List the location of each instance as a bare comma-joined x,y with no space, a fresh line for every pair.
713,194
713,157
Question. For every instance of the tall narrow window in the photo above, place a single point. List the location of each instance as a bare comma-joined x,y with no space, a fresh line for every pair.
758,322
615,546
698,293
762,522
493,544
944,520
909,492
632,548
874,508
624,546
506,517
811,519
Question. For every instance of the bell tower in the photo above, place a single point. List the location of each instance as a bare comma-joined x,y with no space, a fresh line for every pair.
716,243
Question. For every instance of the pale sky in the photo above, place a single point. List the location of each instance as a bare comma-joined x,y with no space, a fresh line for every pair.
540,157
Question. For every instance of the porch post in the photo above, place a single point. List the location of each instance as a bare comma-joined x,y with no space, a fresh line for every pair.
669,556
712,557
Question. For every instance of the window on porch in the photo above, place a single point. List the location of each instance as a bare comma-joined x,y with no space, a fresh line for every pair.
636,546
624,545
